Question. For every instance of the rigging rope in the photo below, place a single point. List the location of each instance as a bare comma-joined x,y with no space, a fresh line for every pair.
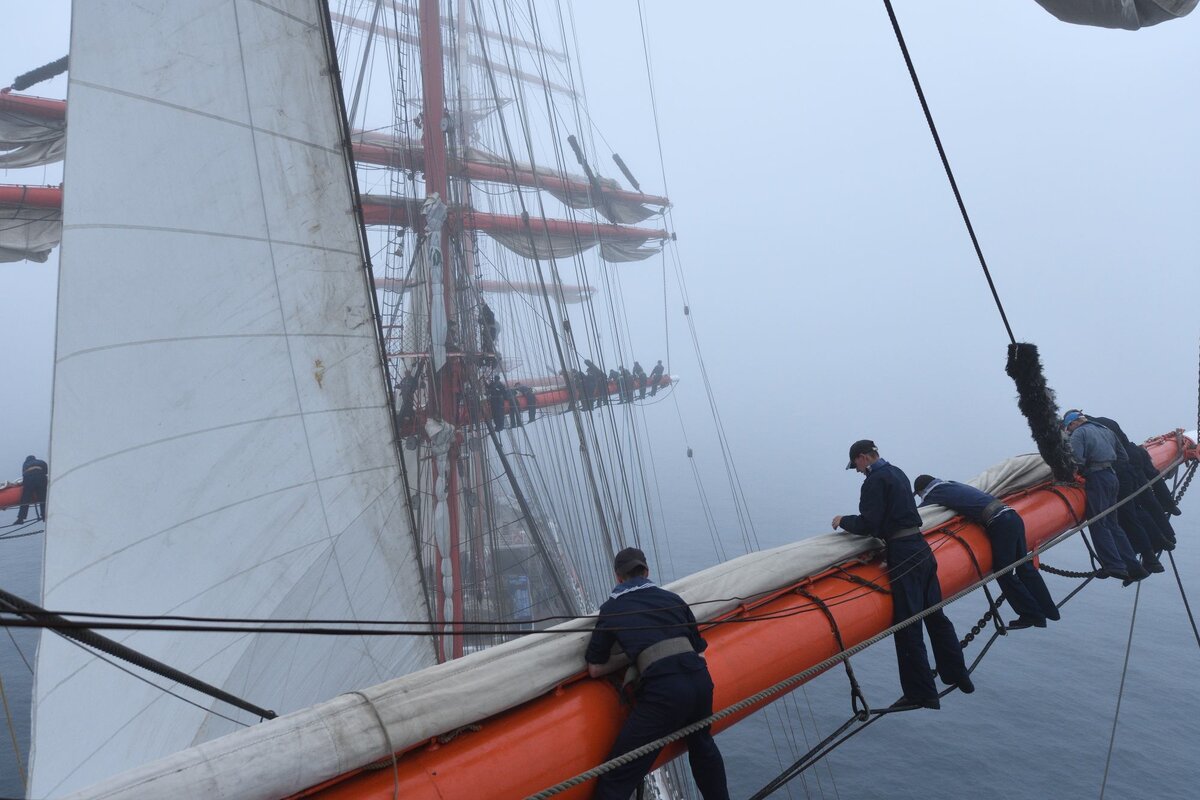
937,140
12,732
1120,692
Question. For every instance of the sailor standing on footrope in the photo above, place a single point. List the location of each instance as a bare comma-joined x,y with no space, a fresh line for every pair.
1023,588
886,510
1096,448
657,631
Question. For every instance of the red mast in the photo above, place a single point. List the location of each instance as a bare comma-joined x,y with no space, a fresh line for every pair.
433,138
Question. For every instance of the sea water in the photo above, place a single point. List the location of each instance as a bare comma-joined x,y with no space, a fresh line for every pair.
1038,726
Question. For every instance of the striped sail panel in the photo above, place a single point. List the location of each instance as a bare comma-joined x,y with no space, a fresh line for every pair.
221,437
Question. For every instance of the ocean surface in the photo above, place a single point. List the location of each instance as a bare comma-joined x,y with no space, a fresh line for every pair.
1038,726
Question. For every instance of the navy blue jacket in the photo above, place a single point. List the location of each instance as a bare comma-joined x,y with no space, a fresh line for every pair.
885,504
959,497
638,614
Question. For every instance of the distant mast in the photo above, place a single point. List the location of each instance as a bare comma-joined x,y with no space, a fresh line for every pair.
435,124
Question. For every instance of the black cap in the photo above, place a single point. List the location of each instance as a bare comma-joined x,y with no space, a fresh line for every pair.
861,447
921,482
628,560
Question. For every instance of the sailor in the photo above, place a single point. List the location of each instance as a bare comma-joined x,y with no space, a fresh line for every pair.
1024,588
583,389
489,333
497,393
1096,448
655,376
886,510
639,375
656,631
625,385
1150,513
530,399
514,408
597,385
34,473
407,388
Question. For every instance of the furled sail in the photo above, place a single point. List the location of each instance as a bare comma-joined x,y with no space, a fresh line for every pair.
1129,15
221,433
29,139
28,233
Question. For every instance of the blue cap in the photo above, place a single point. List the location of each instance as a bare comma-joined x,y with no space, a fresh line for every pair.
1070,417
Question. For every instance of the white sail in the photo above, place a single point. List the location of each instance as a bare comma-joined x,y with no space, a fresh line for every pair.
221,437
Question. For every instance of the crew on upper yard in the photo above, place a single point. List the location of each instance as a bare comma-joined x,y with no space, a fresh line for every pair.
886,510
656,631
1096,449
34,475
1023,587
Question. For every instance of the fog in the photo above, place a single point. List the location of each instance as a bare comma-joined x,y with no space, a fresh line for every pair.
834,289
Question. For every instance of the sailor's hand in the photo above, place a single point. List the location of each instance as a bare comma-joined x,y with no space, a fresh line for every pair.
837,522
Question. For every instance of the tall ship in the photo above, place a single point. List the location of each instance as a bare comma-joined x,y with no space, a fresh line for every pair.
344,373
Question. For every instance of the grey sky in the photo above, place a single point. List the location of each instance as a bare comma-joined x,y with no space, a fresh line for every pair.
833,284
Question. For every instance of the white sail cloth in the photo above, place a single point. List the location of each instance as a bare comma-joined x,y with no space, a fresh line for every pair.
28,233
29,141
221,433
284,756
1129,15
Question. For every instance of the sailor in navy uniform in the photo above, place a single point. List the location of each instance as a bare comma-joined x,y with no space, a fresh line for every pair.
886,510
1024,588
34,474
657,631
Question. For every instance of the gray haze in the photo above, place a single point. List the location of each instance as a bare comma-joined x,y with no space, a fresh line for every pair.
836,292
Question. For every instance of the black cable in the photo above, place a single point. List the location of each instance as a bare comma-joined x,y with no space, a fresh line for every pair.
937,140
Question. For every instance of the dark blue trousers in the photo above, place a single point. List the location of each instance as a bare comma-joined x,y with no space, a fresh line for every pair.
912,570
1112,546
1024,588
665,704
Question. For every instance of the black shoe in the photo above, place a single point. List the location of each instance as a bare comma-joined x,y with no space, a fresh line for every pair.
906,703
1152,565
965,685
1168,545
1105,572
1175,512
1138,572
18,522
1023,622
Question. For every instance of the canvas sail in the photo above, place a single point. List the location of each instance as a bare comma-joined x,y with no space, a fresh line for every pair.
221,435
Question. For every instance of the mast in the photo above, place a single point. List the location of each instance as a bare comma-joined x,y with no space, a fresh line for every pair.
449,377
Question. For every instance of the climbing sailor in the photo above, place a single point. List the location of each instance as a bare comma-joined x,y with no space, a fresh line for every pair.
1024,588
886,510
657,631
1096,448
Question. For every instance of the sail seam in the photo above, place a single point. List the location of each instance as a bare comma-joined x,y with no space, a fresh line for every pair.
327,540
222,337
214,234
250,126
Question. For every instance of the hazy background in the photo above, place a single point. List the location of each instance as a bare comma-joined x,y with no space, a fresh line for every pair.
837,296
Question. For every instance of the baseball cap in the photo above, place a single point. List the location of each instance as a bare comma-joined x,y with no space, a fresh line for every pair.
861,447
629,559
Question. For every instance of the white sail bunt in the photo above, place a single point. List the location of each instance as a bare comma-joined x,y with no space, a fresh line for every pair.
28,234
221,438
322,742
